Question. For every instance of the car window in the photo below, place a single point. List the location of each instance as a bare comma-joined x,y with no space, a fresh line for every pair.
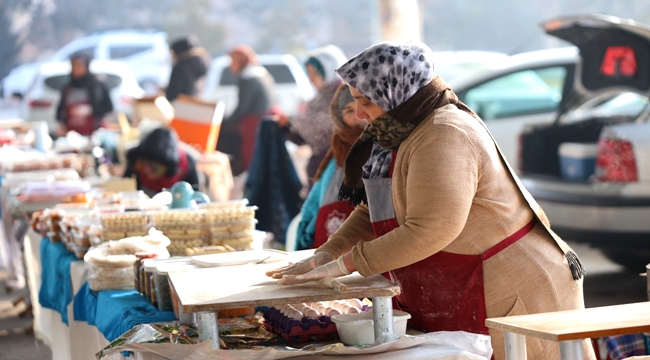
281,74
57,82
519,93
122,51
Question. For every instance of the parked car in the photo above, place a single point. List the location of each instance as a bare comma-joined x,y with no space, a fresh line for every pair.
146,53
590,169
518,90
292,86
454,65
42,97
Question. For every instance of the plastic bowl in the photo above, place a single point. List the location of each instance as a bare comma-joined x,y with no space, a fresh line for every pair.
358,329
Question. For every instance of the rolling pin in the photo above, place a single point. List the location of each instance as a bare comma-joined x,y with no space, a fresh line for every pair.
334,284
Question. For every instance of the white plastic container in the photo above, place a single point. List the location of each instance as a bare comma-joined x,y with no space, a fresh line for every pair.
358,329
577,160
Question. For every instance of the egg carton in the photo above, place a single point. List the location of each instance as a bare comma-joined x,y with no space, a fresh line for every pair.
298,330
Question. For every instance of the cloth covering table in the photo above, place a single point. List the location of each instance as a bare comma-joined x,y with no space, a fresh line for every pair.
115,312
78,340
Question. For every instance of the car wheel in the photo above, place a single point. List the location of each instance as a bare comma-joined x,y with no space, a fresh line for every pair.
633,261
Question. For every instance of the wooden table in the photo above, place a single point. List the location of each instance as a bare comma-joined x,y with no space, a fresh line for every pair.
569,328
204,292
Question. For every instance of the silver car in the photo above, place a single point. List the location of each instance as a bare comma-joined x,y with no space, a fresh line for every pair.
590,168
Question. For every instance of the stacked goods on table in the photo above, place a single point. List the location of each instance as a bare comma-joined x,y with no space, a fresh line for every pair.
230,224
123,225
302,321
45,162
183,227
111,263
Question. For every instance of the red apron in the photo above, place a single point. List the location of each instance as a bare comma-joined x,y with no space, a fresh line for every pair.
80,118
443,292
332,212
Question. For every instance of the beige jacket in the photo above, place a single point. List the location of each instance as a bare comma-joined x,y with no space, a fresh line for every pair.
452,192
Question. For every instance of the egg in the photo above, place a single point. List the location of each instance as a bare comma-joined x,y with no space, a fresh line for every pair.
353,310
295,315
356,303
344,308
312,314
333,312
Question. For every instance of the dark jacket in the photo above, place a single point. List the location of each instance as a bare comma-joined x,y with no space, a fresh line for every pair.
98,96
161,146
273,184
186,74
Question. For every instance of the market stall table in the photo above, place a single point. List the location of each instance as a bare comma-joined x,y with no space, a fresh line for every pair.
569,328
204,292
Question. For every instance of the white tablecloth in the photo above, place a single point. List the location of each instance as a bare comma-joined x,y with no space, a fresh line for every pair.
79,341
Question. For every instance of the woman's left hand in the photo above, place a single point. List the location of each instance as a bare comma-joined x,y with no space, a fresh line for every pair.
337,268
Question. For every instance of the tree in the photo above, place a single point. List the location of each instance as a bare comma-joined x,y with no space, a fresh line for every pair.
9,41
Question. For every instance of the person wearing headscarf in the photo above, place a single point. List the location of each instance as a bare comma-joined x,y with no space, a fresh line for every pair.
322,212
190,67
313,126
439,209
85,100
256,99
159,162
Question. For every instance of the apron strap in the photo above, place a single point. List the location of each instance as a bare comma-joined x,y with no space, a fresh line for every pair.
577,270
509,240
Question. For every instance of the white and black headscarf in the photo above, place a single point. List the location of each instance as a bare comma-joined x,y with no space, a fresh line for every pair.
399,78
389,73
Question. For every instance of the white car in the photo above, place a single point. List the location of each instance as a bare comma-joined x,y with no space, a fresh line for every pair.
146,53
42,97
518,90
590,169
292,86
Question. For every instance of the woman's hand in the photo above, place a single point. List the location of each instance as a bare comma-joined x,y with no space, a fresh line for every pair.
303,266
281,119
332,269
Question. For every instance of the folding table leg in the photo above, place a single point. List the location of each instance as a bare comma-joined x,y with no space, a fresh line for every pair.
515,346
208,329
571,350
382,309
183,317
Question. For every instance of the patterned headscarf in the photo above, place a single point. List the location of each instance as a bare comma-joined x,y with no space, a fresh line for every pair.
399,78
389,73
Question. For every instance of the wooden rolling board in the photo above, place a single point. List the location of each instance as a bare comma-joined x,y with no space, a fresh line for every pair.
578,324
206,290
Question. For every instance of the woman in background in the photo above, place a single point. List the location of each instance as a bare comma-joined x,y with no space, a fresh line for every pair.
322,213
256,88
189,70
158,163
313,125
85,100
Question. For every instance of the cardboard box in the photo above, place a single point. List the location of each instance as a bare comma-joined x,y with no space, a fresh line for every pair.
154,108
197,123
577,160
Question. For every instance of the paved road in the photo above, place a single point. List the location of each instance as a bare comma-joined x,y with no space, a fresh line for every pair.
607,283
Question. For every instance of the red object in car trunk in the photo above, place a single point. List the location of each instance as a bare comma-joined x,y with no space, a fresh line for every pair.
39,103
615,161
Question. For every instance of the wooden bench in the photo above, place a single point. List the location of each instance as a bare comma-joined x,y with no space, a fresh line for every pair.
569,328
